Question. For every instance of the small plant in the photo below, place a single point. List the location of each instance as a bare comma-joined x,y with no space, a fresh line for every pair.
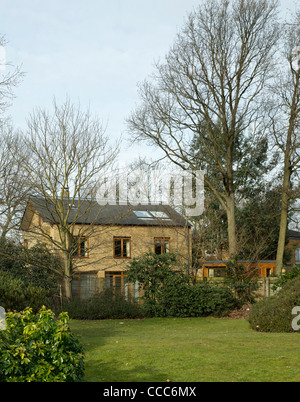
39,348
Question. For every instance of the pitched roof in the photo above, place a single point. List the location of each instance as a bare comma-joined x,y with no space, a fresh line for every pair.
90,212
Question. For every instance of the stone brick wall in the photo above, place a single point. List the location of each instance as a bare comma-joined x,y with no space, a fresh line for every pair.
101,243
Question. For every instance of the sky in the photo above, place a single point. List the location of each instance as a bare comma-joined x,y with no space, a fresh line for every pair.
93,51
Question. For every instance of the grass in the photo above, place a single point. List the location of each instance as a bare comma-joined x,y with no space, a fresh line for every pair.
186,350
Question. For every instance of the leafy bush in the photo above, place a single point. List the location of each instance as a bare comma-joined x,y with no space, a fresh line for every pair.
189,300
39,348
36,266
102,306
287,276
274,314
15,295
170,293
29,277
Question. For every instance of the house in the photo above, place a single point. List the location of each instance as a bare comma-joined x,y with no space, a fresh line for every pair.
293,247
260,268
217,269
106,238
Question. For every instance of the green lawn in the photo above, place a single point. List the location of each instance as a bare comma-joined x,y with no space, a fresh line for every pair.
186,350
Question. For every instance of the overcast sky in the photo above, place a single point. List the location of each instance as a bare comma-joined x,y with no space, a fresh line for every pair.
93,51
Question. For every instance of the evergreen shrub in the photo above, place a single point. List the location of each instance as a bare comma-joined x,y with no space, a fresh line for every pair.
274,314
168,292
104,305
15,295
39,348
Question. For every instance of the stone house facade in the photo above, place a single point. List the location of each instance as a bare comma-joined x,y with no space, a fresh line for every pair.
107,238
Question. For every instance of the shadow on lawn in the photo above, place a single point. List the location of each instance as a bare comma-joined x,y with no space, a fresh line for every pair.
103,371
93,338
91,335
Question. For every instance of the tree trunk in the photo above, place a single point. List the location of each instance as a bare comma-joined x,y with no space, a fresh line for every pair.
290,149
283,219
232,242
67,264
67,287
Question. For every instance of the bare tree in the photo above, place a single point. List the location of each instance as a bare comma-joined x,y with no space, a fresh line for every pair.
68,152
211,87
286,122
14,187
10,77
12,190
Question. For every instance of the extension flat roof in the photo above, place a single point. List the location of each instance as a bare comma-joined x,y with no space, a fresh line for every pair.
293,234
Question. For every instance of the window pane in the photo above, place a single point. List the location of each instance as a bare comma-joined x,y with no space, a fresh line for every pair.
118,248
122,248
84,285
220,273
75,247
83,247
118,285
80,245
211,272
166,246
108,282
126,248
87,286
75,286
142,214
161,215
157,246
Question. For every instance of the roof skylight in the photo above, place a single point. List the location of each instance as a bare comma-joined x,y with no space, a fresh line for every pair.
151,215
143,214
160,215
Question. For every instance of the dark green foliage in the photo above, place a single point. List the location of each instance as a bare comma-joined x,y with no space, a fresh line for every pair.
102,306
287,276
39,348
17,295
36,266
188,300
274,314
29,278
170,293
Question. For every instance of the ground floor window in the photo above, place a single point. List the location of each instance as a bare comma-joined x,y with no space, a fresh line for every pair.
85,284
216,272
116,281
268,272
